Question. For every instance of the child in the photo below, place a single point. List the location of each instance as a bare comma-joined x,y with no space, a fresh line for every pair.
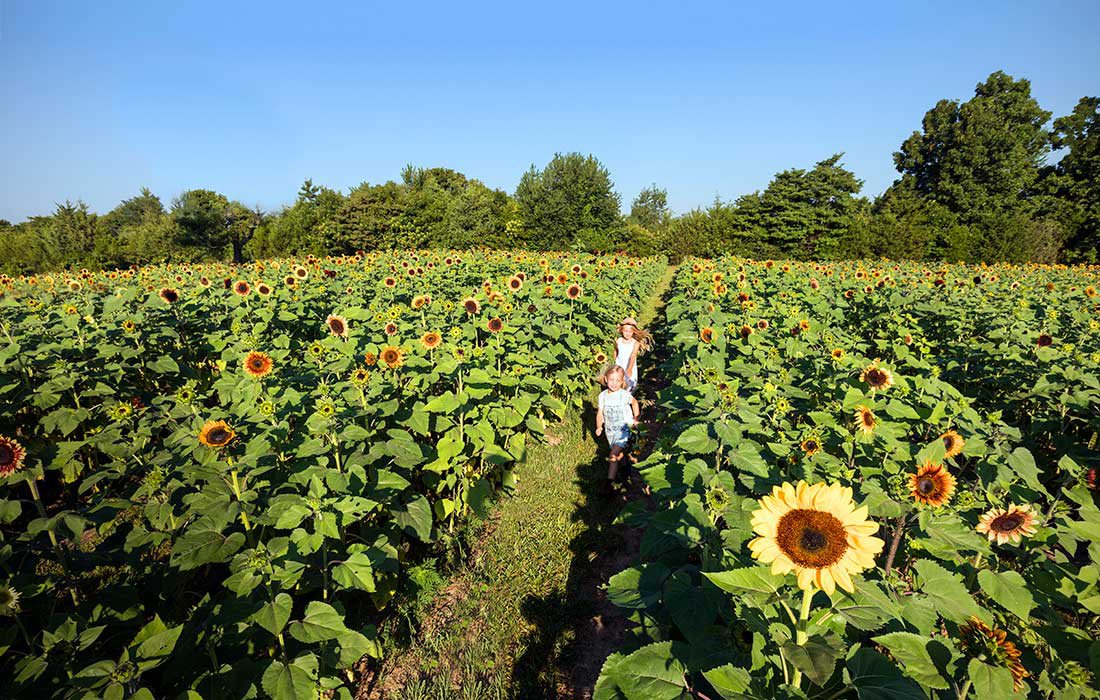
631,342
617,411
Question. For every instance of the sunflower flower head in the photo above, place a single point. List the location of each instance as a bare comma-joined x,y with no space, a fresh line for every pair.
1002,525
953,443
257,364
932,485
878,378
816,532
9,601
11,456
991,645
216,433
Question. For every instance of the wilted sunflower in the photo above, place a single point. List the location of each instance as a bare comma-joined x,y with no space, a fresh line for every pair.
431,340
932,485
745,331
817,532
216,433
257,364
877,378
337,325
169,295
952,443
241,288
981,642
706,334
1004,524
11,456
865,420
392,356
494,325
573,291
471,305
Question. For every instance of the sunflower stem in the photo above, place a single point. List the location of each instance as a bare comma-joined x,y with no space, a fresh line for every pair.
61,558
964,690
899,530
800,635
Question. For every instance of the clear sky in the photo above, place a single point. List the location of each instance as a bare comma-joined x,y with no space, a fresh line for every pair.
98,99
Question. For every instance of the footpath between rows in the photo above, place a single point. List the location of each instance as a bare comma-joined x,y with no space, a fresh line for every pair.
526,617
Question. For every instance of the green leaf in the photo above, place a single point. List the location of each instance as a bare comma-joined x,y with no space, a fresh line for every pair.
756,579
697,440
320,624
1009,590
817,657
637,587
875,677
912,652
651,673
274,615
294,681
204,543
416,518
990,682
479,497
948,593
355,572
1023,464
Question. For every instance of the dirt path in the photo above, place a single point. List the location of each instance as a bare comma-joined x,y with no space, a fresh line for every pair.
527,618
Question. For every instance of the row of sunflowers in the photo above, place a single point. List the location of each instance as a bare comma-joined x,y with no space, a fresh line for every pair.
878,480
214,479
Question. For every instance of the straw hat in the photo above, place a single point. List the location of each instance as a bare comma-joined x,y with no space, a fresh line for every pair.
628,321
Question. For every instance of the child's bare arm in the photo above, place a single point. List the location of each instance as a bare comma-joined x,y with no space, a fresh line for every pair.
633,360
599,422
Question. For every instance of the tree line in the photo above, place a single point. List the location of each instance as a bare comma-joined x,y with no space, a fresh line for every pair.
988,179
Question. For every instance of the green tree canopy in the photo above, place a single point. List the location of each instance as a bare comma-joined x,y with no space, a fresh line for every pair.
572,196
650,208
1076,177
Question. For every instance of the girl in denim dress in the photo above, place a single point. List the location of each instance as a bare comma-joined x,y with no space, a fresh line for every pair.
617,411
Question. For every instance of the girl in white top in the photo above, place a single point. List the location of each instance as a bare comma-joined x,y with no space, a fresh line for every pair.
616,413
630,342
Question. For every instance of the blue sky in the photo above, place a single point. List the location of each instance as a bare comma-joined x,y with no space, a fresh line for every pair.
706,99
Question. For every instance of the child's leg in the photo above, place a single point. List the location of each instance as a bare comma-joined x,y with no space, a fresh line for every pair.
613,462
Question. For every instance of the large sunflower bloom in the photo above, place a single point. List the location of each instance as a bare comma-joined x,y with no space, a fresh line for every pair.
865,420
337,325
431,340
392,356
817,532
1004,524
216,433
877,377
11,456
932,485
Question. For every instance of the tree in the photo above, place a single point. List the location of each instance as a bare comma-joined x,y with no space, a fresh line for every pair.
573,194
650,208
805,214
209,222
1075,179
982,156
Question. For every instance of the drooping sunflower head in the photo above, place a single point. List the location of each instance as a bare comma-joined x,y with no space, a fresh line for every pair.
573,291
1007,524
494,325
706,334
817,532
992,645
392,356
932,485
431,340
258,364
745,331
878,378
471,305
11,456
169,295
337,325
953,443
216,433
865,420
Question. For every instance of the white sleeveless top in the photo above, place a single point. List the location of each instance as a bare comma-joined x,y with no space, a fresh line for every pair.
622,358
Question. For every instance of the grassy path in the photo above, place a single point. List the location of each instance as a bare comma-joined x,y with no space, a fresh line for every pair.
526,618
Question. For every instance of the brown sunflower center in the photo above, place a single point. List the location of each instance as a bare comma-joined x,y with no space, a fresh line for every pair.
875,377
812,538
7,455
218,436
336,326
1007,523
926,485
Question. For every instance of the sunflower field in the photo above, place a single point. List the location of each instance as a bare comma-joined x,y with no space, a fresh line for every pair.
877,480
214,478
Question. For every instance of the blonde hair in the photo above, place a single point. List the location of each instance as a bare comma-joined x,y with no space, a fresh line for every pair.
608,371
645,338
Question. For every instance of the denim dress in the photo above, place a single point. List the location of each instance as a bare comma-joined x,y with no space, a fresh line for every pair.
617,416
